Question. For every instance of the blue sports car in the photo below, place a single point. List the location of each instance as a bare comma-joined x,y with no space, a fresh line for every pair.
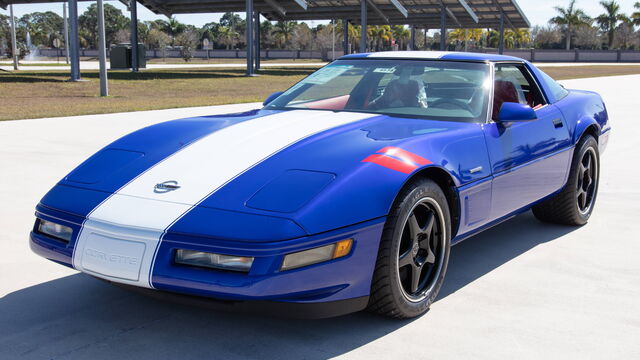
342,193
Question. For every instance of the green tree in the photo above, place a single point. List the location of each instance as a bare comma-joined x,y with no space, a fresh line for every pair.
353,34
227,36
187,41
231,20
636,15
266,36
401,35
5,31
609,20
570,18
43,27
210,31
114,21
283,32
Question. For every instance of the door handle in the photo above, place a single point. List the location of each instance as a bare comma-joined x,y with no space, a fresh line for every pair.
557,123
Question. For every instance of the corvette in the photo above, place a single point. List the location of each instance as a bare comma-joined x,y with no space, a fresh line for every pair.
342,193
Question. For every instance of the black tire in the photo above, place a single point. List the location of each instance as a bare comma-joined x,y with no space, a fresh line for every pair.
418,227
574,204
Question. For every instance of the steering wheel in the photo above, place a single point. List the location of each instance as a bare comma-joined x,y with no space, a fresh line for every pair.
457,103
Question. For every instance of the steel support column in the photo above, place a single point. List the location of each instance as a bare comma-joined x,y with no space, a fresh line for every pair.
133,7
412,42
501,44
345,36
363,26
257,41
426,39
74,41
102,50
14,44
443,28
249,34
66,31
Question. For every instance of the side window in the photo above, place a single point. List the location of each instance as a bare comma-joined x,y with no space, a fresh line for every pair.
514,84
557,90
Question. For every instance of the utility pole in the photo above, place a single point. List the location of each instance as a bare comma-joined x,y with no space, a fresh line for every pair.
14,45
74,41
66,31
333,36
133,7
102,51
249,34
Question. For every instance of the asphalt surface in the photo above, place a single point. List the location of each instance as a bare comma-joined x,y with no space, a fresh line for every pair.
522,290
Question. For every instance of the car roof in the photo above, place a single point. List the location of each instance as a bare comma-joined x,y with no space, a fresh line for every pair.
432,55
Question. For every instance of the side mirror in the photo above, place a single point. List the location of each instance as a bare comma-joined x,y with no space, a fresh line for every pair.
271,97
511,111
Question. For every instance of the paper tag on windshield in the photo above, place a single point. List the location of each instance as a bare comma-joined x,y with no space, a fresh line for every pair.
326,74
390,70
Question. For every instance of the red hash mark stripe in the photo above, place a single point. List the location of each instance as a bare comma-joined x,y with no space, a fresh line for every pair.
402,160
404,155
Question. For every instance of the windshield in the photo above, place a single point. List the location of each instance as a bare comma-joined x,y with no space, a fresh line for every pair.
439,90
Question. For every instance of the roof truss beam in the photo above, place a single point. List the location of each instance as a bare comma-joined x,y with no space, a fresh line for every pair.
378,11
276,7
302,3
400,8
452,16
468,9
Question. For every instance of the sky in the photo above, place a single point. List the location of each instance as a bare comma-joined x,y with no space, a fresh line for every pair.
538,11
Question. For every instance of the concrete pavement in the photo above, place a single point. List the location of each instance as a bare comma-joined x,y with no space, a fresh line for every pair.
94,65
522,290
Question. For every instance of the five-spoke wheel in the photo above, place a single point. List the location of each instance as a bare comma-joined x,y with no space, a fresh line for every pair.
586,187
421,249
414,251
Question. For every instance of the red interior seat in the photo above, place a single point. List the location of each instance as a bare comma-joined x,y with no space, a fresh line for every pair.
504,91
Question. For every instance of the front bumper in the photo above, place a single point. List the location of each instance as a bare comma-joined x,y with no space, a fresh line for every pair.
333,282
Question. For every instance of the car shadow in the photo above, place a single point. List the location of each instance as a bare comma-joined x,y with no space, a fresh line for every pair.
78,317
480,254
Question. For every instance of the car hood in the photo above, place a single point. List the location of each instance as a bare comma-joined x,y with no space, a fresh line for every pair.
267,164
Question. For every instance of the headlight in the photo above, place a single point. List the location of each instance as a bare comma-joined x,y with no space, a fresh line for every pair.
317,255
214,261
57,231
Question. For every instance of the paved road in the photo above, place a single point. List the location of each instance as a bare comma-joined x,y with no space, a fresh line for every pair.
94,65
521,290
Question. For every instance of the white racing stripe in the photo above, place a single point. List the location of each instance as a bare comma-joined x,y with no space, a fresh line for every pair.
109,244
410,54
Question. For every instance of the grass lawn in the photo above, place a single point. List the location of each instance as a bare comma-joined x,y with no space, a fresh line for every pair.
34,94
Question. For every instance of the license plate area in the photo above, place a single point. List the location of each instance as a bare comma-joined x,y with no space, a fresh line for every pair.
113,257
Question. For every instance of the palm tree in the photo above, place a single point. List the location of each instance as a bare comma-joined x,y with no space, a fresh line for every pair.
636,15
521,36
227,36
283,31
401,35
570,18
353,32
610,19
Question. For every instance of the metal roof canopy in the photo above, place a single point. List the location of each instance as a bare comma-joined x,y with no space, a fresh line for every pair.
425,13
420,13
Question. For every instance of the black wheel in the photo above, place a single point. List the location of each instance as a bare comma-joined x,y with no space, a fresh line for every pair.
414,252
574,205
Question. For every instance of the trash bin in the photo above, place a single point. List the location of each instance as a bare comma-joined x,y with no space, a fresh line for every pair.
120,56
